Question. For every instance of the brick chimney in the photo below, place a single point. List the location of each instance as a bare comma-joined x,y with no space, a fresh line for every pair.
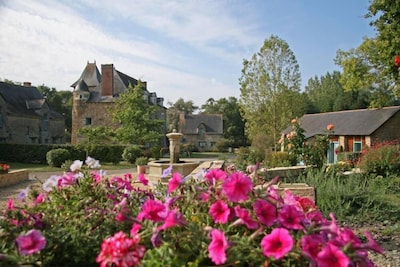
107,79
27,84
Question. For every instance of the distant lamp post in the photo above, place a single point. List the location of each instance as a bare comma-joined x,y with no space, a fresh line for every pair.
397,60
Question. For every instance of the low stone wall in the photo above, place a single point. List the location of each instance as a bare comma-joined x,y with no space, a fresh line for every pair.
13,177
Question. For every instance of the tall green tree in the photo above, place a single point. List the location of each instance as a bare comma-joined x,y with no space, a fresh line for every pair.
137,117
370,66
175,109
269,85
234,125
327,94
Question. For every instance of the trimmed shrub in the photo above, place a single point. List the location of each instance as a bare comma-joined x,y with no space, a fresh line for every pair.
280,159
56,157
131,153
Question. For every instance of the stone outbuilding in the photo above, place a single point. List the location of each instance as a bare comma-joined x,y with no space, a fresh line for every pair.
27,118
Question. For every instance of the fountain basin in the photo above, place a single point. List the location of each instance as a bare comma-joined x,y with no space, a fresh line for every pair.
184,167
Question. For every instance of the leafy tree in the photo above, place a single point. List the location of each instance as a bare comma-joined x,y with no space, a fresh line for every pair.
139,124
234,126
370,66
175,109
270,83
96,136
327,94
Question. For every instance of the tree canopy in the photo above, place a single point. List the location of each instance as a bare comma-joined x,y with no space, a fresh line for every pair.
137,117
269,86
370,66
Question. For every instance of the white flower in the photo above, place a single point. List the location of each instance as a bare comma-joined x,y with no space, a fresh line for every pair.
51,183
76,165
92,163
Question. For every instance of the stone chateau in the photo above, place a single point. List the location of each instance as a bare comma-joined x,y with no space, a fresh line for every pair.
95,92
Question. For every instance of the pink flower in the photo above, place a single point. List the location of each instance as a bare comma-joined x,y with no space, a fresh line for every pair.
39,199
143,179
33,241
219,211
265,212
152,210
174,182
237,187
174,218
311,245
68,178
10,204
217,247
215,175
245,218
332,256
277,244
291,217
120,251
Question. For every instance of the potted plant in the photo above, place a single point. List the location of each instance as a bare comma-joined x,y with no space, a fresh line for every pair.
4,167
141,163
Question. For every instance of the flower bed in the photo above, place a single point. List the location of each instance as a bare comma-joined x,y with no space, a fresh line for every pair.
13,177
213,218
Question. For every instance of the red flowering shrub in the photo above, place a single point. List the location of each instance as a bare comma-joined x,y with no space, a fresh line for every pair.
381,158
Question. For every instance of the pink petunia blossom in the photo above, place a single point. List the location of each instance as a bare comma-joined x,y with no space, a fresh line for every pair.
219,211
291,217
245,218
332,256
39,199
10,204
152,210
33,241
277,244
215,175
174,182
265,212
67,179
311,245
237,187
143,179
217,247
174,218
120,251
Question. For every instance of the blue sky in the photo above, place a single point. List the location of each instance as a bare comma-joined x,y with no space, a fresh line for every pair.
190,49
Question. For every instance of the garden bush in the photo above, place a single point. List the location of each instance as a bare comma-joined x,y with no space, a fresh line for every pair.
381,158
56,157
132,152
280,159
84,219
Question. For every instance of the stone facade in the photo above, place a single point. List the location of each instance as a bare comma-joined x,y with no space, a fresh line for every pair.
26,117
95,94
201,130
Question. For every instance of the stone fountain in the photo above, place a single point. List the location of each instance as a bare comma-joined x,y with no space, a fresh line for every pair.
184,167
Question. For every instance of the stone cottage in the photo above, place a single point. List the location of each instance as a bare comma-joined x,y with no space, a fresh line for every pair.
201,130
95,93
354,129
27,118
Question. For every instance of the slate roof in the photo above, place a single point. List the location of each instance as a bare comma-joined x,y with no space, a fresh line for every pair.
24,100
91,75
212,122
127,79
349,122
